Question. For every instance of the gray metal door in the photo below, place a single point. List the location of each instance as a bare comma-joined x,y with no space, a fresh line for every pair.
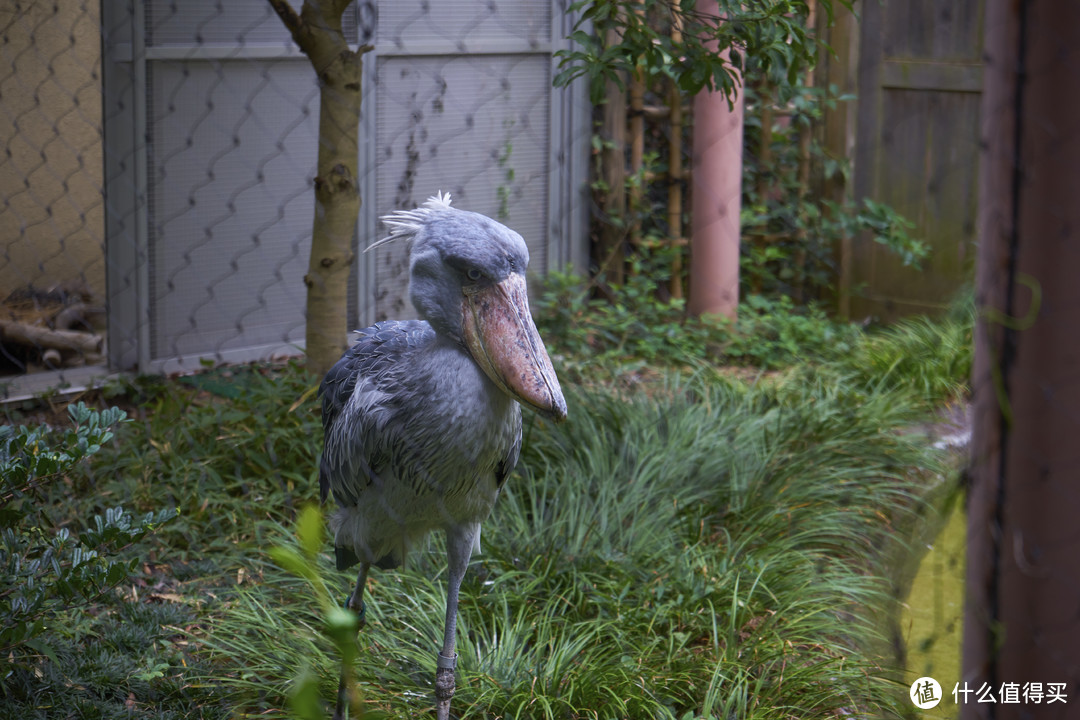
211,137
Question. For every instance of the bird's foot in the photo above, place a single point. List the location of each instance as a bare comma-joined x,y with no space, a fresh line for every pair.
444,683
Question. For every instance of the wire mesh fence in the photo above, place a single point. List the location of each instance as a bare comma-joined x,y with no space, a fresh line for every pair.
160,158
157,184
52,267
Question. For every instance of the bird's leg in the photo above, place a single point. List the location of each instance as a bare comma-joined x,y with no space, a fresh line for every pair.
355,601
356,604
459,545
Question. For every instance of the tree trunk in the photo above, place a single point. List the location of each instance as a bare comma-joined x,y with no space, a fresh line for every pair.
318,31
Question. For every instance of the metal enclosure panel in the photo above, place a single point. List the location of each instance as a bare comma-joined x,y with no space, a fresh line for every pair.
231,203
197,22
233,24
122,93
209,219
477,127
408,25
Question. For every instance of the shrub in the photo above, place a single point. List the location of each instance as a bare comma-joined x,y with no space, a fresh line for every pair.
46,569
635,324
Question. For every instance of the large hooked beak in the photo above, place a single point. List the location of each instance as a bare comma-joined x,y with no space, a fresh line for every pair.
501,335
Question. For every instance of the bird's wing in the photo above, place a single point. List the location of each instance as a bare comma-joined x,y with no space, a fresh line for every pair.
356,394
508,463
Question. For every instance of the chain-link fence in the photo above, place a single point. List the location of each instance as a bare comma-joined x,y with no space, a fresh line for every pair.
159,163
52,267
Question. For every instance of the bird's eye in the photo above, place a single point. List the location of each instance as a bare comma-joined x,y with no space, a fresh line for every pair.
474,274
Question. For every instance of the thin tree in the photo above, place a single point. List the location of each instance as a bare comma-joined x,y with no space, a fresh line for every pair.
318,31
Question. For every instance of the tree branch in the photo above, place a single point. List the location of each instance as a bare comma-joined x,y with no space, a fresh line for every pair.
289,17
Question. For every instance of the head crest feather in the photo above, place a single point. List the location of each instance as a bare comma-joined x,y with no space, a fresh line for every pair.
404,224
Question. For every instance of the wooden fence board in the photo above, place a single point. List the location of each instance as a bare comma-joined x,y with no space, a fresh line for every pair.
919,91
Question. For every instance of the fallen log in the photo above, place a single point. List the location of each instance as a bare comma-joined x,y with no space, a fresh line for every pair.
75,315
42,337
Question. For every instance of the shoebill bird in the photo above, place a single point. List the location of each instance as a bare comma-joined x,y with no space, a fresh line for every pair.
421,417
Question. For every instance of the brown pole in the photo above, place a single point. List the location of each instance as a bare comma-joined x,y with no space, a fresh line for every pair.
1022,623
717,196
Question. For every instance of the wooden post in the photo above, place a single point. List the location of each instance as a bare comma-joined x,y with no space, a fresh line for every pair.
717,199
1021,622
838,125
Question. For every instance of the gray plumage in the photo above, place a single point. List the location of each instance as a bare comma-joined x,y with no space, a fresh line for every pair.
401,457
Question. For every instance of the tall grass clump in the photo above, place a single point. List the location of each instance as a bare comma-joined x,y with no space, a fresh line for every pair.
928,357
707,550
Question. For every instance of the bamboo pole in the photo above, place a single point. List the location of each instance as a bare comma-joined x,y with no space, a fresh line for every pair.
637,152
803,176
837,132
765,147
675,170
637,146
611,260
764,175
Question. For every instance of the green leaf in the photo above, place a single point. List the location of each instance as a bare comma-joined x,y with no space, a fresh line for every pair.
292,561
341,624
309,529
43,648
304,699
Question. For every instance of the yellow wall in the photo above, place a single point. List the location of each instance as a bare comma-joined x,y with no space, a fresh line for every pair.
51,185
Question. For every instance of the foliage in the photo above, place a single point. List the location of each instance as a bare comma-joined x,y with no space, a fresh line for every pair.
229,448
706,548
632,324
46,570
340,624
791,234
776,333
773,31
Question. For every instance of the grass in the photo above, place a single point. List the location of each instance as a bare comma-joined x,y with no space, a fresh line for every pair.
632,332
706,548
